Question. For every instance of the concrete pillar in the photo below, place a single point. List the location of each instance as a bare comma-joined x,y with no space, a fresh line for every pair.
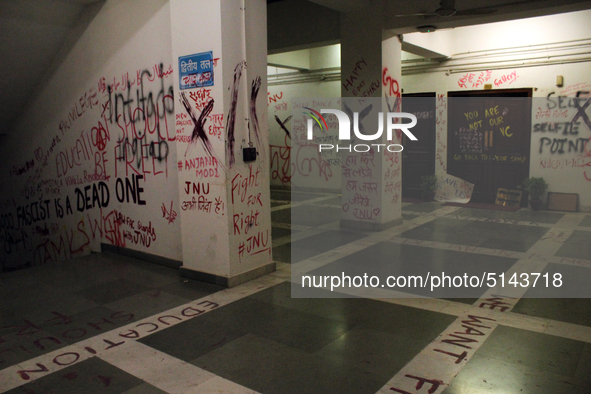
219,52
361,51
370,71
392,93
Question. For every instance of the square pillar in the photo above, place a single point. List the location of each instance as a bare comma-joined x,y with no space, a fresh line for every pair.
219,52
370,70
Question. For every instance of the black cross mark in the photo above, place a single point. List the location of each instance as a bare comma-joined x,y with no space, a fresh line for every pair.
198,130
254,120
396,104
282,124
362,115
231,119
581,111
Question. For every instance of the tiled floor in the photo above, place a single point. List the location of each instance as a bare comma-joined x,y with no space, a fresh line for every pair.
112,324
516,361
90,376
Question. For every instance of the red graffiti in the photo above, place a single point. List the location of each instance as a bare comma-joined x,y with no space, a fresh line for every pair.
280,163
170,216
112,228
100,135
274,98
393,88
308,159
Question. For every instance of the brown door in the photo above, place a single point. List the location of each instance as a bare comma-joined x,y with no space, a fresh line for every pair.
418,157
489,139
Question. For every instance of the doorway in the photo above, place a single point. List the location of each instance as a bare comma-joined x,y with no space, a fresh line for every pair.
418,157
489,136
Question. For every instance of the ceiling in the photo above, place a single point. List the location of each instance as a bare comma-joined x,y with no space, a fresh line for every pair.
36,34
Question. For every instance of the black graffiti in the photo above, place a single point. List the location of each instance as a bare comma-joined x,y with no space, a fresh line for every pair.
22,169
34,212
362,115
231,119
99,196
6,221
581,111
563,145
137,149
282,124
396,106
563,102
567,128
199,128
59,209
130,188
198,188
13,241
146,106
253,121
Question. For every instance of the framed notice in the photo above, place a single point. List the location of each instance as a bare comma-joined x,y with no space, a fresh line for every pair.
508,198
563,201
196,71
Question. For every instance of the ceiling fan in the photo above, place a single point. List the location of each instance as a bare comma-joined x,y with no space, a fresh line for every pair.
447,8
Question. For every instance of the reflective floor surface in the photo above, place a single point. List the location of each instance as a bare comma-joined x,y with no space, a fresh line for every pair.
107,323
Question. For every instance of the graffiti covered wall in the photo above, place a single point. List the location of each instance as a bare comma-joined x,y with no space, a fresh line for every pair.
226,220
560,129
560,132
98,165
283,128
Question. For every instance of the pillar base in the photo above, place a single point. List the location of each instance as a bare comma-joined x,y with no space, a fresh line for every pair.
370,226
232,281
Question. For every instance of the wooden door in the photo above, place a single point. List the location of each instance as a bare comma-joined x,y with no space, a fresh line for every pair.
418,157
489,137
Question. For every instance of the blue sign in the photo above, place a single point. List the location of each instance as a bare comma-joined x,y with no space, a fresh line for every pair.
196,71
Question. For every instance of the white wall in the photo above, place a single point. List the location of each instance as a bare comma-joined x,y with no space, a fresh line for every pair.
285,161
71,146
566,171
483,55
202,178
529,31
226,219
247,183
